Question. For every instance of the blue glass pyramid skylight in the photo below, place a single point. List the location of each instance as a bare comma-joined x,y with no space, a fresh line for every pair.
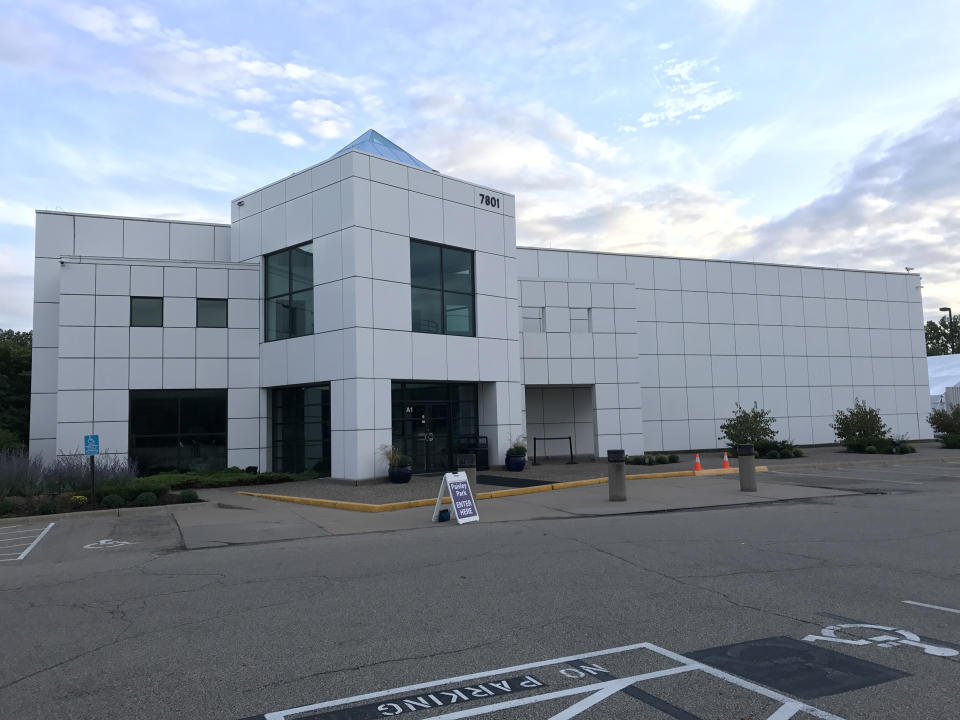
374,143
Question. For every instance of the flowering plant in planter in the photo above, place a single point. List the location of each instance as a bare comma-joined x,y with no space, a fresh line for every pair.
399,468
516,456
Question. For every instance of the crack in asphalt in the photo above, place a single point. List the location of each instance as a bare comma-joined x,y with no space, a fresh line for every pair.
363,666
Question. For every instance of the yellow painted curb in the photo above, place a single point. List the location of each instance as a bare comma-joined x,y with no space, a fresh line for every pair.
490,495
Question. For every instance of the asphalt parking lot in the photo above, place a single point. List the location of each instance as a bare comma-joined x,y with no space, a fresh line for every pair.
829,606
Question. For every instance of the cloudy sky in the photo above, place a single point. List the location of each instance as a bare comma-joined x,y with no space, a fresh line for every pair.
812,132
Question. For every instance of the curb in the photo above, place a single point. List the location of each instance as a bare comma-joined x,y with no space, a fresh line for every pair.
867,463
102,513
493,494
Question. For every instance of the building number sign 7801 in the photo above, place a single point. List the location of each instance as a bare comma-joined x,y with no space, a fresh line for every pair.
489,200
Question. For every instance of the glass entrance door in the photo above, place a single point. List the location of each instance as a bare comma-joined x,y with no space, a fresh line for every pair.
430,431
431,421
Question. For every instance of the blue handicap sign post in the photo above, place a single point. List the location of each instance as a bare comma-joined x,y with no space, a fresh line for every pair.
91,444
91,447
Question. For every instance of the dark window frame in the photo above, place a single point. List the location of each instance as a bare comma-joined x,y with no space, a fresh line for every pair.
292,412
133,301
182,439
226,311
444,292
269,327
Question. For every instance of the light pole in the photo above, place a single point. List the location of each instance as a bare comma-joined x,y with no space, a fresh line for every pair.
949,327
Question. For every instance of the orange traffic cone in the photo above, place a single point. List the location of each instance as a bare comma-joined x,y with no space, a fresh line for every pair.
696,464
726,460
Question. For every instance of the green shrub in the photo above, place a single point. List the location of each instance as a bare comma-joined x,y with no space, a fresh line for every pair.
78,501
870,449
748,426
145,499
951,440
945,422
158,485
785,454
772,454
674,458
906,448
6,507
860,426
112,501
47,507
662,460
797,452
189,496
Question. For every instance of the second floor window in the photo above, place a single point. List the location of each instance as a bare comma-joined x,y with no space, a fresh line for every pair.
146,312
211,313
442,289
288,293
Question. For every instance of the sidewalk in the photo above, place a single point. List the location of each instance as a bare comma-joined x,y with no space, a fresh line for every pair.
233,518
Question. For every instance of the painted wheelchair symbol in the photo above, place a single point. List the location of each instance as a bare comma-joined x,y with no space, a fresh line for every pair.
108,543
902,637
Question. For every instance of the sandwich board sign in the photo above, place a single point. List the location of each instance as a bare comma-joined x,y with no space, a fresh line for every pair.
461,498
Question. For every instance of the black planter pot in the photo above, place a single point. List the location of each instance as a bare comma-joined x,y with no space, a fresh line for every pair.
515,463
400,474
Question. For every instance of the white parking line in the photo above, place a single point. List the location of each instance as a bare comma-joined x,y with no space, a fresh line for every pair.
595,692
30,545
935,607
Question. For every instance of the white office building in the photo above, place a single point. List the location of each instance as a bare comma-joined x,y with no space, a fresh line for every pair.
370,300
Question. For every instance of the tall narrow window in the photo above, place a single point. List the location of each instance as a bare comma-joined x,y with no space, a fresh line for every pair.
288,293
441,289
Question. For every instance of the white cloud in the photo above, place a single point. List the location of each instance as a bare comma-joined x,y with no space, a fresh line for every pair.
682,96
13,212
665,45
252,121
323,118
732,7
16,285
252,95
146,56
105,24
627,128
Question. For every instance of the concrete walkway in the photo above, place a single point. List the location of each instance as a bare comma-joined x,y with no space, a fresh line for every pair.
231,518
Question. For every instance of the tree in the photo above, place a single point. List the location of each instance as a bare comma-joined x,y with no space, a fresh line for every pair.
16,350
939,339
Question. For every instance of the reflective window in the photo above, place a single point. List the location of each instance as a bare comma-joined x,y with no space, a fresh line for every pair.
301,428
288,293
146,312
178,429
442,291
211,313
531,319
